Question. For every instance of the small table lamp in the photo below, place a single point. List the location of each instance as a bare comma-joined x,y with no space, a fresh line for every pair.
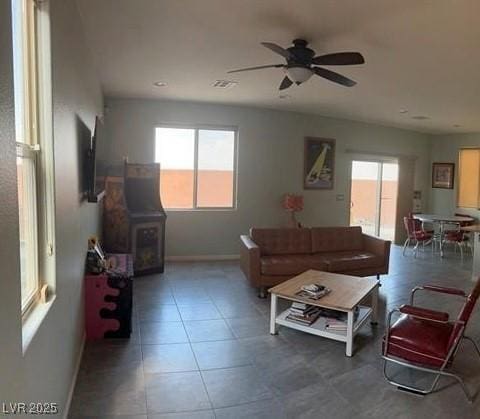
293,203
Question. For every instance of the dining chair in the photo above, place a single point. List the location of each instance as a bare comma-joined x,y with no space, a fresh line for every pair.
456,236
415,234
468,236
427,340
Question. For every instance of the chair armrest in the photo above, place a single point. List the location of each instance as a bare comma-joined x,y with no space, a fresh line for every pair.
444,290
436,288
250,259
423,313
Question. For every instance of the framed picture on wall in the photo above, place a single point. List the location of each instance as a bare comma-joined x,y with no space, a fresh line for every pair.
443,175
319,163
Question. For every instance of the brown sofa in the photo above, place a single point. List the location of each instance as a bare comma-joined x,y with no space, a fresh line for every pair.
269,256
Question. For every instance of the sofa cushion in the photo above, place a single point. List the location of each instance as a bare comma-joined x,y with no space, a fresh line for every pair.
282,241
291,264
351,260
334,239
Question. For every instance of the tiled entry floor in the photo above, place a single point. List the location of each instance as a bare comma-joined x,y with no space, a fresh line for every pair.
201,349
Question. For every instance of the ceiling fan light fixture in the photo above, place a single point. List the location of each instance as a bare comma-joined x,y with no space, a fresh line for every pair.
299,74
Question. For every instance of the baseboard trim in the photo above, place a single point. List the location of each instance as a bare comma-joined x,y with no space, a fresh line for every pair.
200,258
74,379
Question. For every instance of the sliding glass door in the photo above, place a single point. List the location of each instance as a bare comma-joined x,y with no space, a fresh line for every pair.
373,197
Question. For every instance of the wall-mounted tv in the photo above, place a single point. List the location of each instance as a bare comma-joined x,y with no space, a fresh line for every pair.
97,166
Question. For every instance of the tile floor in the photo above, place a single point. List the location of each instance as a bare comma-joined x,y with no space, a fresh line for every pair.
201,349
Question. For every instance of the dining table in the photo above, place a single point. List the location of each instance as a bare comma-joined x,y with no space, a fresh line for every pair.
442,221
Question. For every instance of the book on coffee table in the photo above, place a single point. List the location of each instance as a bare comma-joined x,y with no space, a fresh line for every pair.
302,313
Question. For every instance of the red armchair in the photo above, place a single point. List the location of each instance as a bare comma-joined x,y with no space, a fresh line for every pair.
426,339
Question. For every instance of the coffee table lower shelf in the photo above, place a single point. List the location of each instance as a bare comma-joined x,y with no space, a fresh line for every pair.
319,328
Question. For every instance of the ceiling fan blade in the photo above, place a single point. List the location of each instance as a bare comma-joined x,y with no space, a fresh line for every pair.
285,84
339,58
257,68
335,77
279,50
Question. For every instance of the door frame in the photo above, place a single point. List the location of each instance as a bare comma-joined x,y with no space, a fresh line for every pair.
381,160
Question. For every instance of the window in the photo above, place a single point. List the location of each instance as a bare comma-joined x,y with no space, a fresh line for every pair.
34,146
197,167
469,178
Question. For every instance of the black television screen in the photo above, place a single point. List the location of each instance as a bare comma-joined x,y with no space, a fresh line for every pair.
97,163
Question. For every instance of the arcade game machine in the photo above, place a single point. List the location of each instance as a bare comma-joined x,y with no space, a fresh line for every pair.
134,218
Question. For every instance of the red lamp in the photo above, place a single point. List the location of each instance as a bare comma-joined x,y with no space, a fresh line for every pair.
293,203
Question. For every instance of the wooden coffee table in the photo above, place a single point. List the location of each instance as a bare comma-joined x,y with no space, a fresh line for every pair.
347,292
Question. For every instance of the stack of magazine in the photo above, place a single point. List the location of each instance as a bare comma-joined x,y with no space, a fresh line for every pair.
336,325
303,313
313,291
337,320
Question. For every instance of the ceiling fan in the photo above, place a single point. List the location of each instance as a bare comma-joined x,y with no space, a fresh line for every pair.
302,64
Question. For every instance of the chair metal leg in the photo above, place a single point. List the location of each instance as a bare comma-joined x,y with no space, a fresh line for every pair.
477,349
405,386
415,249
418,390
405,245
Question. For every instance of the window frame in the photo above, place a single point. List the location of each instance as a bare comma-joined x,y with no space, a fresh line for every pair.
27,152
196,128
37,145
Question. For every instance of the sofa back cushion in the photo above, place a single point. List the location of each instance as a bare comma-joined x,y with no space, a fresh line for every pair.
334,239
282,241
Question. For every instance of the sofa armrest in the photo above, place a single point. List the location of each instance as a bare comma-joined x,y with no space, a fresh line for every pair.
250,259
378,247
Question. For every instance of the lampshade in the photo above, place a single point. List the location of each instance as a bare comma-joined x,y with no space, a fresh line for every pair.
292,202
299,74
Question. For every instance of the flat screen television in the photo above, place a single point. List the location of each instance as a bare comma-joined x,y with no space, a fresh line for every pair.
97,167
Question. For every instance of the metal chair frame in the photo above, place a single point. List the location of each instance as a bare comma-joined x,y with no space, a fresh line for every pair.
461,244
437,371
416,241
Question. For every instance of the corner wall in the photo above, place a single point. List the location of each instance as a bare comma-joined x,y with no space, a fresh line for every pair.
270,163
45,372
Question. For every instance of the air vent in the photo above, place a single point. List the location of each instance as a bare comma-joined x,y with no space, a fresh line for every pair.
224,84
420,117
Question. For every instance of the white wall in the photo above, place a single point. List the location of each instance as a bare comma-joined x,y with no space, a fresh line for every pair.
46,370
445,149
270,164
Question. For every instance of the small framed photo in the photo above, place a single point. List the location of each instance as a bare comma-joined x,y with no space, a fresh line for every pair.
442,175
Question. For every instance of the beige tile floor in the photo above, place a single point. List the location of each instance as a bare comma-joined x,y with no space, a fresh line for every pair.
201,349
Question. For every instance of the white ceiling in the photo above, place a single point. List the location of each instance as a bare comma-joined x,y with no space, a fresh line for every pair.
420,55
